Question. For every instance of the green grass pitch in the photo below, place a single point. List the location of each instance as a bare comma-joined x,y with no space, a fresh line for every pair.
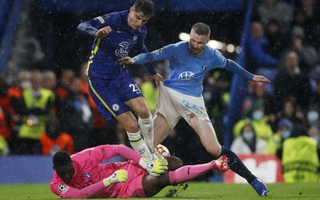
190,190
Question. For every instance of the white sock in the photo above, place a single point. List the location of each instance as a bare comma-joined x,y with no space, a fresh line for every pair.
146,126
139,145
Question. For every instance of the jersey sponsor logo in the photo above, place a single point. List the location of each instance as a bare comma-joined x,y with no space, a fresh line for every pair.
158,51
122,51
187,75
115,107
63,188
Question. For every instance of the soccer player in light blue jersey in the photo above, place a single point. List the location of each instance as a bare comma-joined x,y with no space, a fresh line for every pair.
181,95
110,86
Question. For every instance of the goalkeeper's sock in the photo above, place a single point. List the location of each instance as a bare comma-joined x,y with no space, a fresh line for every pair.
189,172
139,145
146,126
237,165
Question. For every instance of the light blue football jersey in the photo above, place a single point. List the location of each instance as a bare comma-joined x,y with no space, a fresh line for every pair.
186,70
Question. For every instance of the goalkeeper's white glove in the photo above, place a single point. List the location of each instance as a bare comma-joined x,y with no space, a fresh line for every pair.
154,167
118,176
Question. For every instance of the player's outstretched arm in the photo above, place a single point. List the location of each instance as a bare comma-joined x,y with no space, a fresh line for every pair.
259,78
67,192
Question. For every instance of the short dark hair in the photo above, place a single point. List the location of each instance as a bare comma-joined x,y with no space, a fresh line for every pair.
201,28
144,6
61,158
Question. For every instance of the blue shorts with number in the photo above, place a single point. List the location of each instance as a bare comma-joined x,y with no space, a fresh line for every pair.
110,94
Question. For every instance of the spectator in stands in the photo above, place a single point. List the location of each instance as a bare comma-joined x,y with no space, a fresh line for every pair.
307,53
313,116
76,115
248,142
276,9
277,41
49,80
297,167
314,133
259,61
307,16
291,111
283,132
297,84
15,104
4,109
54,140
259,95
37,107
64,81
259,121
315,97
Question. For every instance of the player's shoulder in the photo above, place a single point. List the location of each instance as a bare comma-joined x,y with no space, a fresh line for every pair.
109,17
177,45
213,51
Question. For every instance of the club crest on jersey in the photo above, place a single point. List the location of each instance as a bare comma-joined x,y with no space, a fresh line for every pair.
186,75
135,38
115,107
158,51
63,188
87,175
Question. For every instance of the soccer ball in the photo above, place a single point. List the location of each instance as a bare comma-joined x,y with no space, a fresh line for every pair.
163,150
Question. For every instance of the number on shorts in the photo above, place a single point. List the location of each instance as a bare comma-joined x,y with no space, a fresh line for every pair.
193,107
135,88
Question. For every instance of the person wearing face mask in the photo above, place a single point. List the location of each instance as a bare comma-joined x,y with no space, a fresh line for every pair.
283,132
313,117
259,121
248,142
53,139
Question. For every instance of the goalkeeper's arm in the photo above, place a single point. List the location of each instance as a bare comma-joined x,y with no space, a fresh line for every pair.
92,190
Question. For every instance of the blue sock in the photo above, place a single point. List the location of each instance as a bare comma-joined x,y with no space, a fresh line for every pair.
237,165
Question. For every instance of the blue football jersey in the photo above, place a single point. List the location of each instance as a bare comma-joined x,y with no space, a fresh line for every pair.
106,51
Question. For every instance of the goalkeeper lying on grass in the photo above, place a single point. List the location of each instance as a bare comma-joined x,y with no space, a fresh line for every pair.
82,175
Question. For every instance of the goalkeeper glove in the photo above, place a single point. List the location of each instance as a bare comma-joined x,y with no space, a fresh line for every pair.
118,176
154,167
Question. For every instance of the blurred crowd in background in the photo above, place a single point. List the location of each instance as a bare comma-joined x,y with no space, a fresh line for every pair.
44,110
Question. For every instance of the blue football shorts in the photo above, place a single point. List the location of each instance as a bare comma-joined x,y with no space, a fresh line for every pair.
110,95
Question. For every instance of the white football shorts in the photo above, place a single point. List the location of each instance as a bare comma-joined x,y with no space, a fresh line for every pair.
174,105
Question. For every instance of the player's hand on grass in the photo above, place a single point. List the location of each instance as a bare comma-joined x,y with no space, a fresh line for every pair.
103,32
154,167
259,78
118,176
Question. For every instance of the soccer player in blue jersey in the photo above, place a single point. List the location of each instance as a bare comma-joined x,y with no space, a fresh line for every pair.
111,88
181,95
